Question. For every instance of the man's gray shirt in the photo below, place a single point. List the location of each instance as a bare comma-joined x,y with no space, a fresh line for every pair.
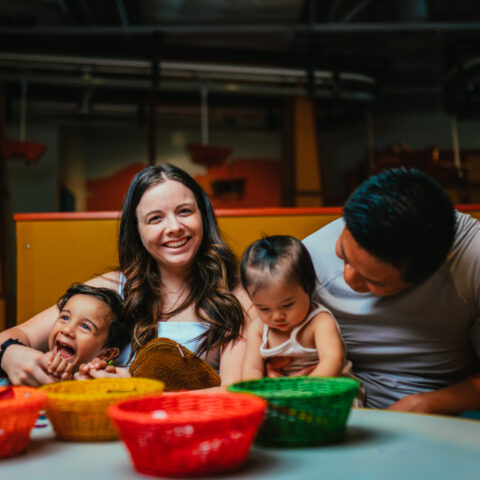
422,339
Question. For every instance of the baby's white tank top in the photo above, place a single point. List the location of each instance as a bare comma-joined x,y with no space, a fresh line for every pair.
301,356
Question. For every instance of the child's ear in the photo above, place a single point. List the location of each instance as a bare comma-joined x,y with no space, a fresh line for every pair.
109,353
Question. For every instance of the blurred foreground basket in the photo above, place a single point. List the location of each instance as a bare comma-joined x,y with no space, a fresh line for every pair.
302,410
184,434
19,408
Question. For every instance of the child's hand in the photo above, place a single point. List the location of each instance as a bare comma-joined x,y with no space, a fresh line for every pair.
86,369
99,369
58,366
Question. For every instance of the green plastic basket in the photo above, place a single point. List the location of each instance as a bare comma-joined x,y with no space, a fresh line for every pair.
302,410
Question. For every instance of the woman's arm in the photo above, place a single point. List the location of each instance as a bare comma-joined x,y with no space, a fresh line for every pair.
232,356
27,365
329,345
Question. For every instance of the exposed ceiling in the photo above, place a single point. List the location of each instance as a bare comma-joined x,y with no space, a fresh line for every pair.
82,56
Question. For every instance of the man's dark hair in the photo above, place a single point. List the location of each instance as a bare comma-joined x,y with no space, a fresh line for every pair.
404,218
120,333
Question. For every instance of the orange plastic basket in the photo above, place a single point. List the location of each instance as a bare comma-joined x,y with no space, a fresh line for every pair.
188,434
77,409
18,414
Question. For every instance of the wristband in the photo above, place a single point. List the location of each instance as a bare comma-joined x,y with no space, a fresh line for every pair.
4,346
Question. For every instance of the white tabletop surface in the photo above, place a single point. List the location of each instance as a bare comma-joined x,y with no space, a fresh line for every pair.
378,445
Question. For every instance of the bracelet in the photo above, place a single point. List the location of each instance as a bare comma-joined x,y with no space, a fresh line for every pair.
4,346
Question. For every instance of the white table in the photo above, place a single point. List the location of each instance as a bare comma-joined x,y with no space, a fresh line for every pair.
378,445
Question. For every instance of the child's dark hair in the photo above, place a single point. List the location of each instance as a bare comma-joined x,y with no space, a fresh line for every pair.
120,332
278,252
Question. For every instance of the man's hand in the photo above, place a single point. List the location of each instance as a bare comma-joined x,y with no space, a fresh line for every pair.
452,400
417,403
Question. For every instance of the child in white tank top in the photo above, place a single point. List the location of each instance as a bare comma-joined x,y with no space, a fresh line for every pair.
292,335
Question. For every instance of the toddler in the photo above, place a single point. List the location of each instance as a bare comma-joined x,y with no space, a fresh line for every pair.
292,334
90,325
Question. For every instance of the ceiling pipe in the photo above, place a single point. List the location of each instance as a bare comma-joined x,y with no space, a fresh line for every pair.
122,13
334,27
23,111
65,11
204,114
355,10
87,13
412,10
234,72
176,86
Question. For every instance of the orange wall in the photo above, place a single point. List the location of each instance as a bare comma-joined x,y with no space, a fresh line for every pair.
107,193
262,183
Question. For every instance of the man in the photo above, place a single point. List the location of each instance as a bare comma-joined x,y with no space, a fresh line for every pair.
401,273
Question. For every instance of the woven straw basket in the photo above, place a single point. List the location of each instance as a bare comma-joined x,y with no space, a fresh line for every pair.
77,408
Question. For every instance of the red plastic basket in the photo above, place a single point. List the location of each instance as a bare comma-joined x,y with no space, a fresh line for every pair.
188,434
19,407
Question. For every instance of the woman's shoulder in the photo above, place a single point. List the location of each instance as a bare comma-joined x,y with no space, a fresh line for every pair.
107,280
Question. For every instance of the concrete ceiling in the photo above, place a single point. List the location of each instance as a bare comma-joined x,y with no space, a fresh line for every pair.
243,52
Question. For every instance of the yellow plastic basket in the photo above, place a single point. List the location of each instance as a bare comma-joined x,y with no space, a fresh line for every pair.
76,408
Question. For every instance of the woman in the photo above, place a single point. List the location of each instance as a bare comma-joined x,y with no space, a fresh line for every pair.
177,276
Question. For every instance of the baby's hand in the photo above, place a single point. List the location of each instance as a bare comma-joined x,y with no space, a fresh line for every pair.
58,366
275,366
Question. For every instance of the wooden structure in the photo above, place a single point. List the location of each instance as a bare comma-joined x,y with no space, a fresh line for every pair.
57,249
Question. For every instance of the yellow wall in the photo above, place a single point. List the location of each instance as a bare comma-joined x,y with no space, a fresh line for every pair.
52,254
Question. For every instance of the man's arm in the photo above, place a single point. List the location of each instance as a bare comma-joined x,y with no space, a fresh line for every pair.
452,400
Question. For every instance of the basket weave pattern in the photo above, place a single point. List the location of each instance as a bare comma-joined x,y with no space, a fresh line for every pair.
17,418
77,409
302,410
184,434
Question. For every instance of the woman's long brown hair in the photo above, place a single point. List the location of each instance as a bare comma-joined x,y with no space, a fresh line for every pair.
212,280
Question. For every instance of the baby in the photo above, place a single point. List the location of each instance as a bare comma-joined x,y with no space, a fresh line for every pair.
90,325
293,334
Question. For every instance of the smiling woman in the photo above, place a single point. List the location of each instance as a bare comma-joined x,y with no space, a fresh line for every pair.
177,276
173,234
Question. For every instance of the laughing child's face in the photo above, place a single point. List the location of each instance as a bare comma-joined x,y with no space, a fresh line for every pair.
81,330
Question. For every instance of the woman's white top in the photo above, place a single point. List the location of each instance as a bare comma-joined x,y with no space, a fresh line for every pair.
185,333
